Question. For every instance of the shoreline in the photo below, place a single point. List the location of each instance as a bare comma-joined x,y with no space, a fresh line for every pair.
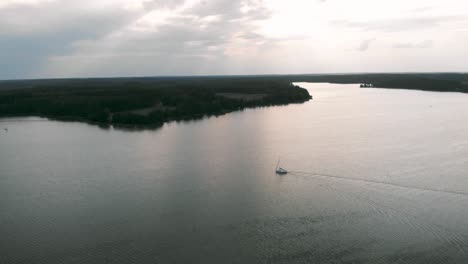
122,105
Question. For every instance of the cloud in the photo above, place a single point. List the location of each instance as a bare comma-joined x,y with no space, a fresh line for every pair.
399,24
8,3
190,35
69,38
30,34
365,44
420,45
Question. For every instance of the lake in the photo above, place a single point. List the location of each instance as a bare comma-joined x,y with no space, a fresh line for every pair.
378,176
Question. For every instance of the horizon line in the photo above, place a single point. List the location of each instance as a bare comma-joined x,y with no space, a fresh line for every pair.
224,75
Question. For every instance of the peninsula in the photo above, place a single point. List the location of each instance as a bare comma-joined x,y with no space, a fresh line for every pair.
142,101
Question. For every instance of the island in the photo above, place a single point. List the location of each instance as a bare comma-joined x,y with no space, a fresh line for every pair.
142,102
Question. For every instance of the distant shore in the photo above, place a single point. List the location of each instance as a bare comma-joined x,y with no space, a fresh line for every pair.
452,82
152,101
440,82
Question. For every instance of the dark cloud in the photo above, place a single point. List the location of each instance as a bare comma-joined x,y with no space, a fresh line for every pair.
29,35
69,29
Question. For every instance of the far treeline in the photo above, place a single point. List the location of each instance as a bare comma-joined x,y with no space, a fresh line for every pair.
142,101
441,82
151,101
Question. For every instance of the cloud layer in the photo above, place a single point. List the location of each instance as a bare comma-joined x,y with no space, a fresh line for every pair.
67,38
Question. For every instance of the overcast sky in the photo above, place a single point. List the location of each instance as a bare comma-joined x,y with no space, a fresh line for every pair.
87,38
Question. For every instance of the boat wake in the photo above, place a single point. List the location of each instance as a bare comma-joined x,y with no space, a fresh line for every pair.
379,182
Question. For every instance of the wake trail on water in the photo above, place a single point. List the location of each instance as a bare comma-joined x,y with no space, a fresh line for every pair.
442,234
379,182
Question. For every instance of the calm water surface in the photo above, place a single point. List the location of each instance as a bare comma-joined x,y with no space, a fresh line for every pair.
205,191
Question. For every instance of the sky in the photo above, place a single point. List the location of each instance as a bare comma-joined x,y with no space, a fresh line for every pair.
106,38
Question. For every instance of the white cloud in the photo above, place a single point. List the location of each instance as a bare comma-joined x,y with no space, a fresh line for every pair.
419,45
6,3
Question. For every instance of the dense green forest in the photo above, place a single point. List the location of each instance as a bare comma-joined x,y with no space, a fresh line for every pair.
155,100
142,102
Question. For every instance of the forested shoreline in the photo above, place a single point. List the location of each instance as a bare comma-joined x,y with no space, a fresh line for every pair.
151,102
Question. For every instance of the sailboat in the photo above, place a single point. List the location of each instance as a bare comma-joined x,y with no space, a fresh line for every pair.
279,170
